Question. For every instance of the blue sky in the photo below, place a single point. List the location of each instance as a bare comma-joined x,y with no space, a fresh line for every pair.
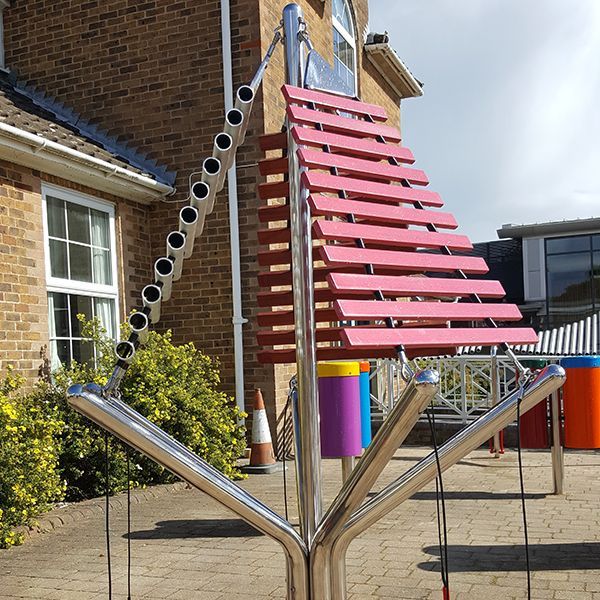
509,127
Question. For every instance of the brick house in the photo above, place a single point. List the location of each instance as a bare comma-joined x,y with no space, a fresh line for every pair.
106,107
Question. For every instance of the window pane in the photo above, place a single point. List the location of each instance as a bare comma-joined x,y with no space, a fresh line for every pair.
569,287
105,310
79,223
596,242
63,352
341,12
80,258
56,217
568,244
58,259
343,61
83,351
58,313
100,228
79,305
597,279
102,266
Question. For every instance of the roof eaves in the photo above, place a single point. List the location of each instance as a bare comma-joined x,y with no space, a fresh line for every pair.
36,151
392,68
88,130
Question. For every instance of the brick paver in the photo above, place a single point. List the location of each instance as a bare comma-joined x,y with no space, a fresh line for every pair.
185,546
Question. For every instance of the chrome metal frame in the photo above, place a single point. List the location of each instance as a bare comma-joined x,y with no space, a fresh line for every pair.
122,421
308,443
545,383
316,558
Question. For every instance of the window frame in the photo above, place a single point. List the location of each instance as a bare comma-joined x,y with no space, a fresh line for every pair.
71,286
350,37
595,305
84,288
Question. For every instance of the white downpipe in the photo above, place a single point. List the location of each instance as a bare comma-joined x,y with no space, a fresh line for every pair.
234,229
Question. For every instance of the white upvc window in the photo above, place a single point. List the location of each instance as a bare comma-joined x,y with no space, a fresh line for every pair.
344,44
81,270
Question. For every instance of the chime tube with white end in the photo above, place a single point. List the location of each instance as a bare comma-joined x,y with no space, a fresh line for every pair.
139,323
188,223
175,249
163,275
152,298
211,171
200,198
244,99
234,121
124,351
223,151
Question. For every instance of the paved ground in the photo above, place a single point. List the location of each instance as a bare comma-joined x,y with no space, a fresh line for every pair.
186,547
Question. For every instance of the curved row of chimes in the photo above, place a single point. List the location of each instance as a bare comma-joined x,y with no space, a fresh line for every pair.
376,238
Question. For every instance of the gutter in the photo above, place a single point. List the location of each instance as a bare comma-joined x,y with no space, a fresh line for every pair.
29,149
412,87
237,319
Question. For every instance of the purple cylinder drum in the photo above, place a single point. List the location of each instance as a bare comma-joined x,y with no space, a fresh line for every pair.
339,405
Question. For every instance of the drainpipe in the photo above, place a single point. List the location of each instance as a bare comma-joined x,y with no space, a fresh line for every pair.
234,229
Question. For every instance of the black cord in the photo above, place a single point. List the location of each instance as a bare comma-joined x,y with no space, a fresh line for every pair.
285,426
523,508
128,455
107,510
440,503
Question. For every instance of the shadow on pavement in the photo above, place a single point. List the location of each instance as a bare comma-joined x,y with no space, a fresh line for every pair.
477,495
197,528
506,557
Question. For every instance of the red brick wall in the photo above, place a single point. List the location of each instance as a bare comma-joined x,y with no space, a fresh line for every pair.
23,303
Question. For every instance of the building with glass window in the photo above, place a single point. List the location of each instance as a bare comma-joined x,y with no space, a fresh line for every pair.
106,109
560,270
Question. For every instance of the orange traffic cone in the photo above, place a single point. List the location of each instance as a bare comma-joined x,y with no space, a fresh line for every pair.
262,457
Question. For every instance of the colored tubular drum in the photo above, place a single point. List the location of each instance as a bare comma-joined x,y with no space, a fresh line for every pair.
581,402
534,423
365,404
339,407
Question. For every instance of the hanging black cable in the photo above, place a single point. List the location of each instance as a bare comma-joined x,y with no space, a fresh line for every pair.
128,455
522,485
107,510
283,458
440,502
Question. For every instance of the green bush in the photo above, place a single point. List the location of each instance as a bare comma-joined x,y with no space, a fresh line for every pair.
48,451
29,450
176,387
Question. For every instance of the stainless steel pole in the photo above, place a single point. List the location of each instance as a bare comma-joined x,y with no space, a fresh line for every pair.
558,465
415,397
495,389
118,418
546,382
347,467
308,456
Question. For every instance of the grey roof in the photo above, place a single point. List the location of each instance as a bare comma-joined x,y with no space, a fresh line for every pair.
514,230
32,111
574,339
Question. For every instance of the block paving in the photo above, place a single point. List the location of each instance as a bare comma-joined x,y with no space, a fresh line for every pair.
185,546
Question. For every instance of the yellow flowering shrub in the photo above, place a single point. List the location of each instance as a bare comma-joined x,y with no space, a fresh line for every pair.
29,451
176,387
